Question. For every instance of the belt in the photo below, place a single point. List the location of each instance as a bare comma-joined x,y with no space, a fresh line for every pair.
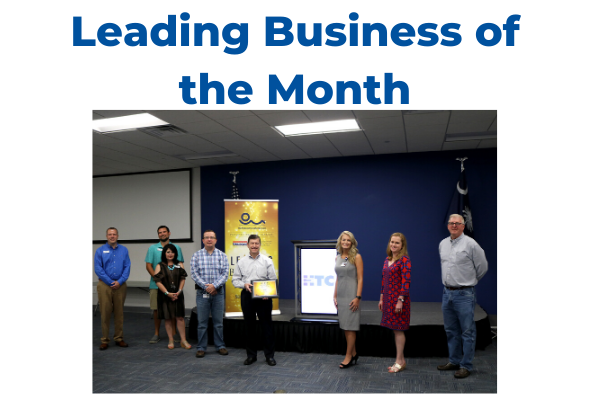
458,288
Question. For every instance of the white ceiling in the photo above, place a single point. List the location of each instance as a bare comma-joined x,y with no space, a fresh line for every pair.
249,135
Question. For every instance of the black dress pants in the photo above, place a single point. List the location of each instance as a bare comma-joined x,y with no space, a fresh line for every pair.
262,308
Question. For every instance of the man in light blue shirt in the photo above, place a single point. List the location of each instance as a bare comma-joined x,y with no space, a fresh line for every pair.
112,266
209,270
463,264
152,259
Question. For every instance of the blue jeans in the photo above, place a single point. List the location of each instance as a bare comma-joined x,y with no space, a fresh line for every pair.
214,304
458,308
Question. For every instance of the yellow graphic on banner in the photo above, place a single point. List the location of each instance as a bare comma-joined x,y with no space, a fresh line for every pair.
242,218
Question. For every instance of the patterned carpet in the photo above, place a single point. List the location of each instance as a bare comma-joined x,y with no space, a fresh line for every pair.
143,367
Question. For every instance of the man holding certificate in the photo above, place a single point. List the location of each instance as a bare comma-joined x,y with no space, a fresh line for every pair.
252,268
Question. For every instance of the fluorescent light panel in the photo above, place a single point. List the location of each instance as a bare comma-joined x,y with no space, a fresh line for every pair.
486,135
209,155
129,122
334,126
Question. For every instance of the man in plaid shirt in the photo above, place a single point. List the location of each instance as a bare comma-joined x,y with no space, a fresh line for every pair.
209,270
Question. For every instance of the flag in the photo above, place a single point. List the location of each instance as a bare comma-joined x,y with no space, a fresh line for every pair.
460,202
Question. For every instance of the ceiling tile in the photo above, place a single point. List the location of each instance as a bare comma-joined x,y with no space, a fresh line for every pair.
491,143
351,143
377,114
281,147
226,114
248,150
316,145
285,118
206,127
160,145
425,119
194,143
494,125
470,121
223,136
249,125
180,117
426,138
324,116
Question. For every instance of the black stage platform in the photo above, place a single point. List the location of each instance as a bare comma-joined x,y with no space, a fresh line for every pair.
425,338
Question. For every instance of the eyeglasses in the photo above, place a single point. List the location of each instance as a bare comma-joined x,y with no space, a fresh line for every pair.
455,224
209,238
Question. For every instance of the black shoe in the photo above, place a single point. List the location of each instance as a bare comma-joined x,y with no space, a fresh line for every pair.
462,373
249,361
271,361
355,359
448,367
342,365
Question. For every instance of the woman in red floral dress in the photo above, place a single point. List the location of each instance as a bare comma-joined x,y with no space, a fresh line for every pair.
395,295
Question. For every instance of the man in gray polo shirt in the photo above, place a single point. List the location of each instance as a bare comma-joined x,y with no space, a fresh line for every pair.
463,264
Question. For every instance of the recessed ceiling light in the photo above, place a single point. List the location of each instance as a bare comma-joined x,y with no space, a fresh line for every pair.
126,123
334,126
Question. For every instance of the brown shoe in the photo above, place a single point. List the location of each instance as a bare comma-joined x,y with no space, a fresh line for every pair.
448,367
121,343
200,354
223,351
462,373
103,346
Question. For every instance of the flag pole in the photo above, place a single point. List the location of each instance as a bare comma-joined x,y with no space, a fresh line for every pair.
462,159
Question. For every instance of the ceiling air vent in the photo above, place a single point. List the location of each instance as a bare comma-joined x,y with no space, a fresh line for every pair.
163,131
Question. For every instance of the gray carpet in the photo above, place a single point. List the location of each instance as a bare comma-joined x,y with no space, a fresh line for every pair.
143,367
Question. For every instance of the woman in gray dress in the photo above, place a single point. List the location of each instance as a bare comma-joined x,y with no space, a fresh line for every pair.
347,292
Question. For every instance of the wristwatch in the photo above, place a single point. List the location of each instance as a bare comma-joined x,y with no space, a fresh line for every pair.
401,299
359,297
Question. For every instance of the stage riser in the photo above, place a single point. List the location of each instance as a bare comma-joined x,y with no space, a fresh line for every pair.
372,340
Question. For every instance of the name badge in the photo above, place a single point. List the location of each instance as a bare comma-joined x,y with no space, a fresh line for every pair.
160,249
206,295
105,251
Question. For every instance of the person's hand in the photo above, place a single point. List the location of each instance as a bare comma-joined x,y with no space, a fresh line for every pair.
115,285
248,287
381,305
399,306
336,302
211,289
354,304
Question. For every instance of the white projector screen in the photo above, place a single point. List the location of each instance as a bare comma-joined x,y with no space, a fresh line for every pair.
137,204
317,281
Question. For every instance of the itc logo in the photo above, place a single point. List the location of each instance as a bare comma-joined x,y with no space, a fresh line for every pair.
318,280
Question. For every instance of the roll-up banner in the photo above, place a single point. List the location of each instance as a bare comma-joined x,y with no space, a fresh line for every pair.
242,218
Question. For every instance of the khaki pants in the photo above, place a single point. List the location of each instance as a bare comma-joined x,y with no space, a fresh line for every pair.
111,301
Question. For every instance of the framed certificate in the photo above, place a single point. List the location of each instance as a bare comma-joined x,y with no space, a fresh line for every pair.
265,289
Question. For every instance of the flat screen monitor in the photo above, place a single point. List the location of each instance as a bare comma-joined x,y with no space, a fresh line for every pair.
317,280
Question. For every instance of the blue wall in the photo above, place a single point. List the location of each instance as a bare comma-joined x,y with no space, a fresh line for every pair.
372,196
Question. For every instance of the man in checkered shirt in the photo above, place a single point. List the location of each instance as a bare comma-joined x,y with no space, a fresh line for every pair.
209,270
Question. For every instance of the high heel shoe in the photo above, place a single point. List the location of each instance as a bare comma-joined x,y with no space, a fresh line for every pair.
355,359
342,365
185,345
